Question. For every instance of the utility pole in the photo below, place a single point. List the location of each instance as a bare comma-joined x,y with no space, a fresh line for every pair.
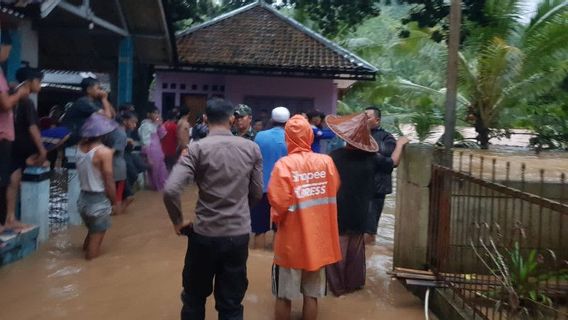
452,81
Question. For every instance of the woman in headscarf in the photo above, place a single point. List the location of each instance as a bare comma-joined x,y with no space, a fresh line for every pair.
151,132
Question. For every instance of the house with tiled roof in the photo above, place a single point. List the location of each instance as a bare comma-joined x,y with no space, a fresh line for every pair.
257,56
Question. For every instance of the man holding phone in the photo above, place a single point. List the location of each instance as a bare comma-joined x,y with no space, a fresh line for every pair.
7,103
94,99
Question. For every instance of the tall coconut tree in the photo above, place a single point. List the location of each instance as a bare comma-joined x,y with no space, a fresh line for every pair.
509,64
504,63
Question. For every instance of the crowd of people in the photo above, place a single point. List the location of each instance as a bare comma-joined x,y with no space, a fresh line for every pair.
321,207
253,177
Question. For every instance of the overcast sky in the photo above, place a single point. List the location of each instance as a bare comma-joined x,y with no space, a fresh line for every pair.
530,6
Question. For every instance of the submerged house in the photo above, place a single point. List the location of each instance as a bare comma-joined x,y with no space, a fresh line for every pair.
257,56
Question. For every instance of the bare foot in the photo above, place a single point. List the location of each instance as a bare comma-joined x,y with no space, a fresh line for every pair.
16,225
86,243
117,209
127,203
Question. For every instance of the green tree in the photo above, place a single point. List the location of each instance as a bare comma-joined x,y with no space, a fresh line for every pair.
509,64
504,66
185,13
331,17
334,17
431,13
415,61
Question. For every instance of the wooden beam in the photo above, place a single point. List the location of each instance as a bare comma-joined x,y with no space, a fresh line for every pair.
48,6
84,11
150,36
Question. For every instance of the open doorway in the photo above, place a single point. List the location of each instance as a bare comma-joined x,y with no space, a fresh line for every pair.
196,104
168,103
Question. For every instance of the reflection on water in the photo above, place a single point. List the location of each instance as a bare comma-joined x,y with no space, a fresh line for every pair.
58,216
385,233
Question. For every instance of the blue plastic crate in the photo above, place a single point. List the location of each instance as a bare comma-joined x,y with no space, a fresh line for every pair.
17,246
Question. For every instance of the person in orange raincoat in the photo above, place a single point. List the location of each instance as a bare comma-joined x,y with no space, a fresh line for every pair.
301,192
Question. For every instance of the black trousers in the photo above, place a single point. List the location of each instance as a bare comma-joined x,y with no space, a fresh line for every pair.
222,260
375,209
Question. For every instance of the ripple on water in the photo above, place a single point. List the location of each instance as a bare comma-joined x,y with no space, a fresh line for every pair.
65,271
253,298
380,263
67,292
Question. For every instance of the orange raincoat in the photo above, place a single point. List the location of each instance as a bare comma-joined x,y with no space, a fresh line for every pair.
302,193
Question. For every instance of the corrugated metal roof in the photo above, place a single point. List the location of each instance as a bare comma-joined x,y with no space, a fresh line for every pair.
63,79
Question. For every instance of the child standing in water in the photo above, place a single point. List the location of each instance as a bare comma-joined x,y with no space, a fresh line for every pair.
98,192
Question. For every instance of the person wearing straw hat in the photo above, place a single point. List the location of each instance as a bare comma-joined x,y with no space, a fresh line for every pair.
98,190
357,164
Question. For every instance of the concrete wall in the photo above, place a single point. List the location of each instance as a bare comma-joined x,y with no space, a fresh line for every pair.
412,207
237,87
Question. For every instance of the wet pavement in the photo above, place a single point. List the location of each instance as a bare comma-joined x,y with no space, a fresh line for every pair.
139,276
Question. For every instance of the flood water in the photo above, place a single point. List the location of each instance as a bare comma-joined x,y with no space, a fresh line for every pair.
139,276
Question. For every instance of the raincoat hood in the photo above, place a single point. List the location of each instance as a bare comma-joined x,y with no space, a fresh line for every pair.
299,135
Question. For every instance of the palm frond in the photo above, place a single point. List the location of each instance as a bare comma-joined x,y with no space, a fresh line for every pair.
546,10
467,75
407,85
504,19
546,44
536,85
499,65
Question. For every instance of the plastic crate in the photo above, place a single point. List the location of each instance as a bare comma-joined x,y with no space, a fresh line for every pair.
14,247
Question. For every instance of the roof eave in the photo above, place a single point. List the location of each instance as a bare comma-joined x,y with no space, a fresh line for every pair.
298,72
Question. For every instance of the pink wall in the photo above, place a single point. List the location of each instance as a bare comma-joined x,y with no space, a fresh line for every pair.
237,87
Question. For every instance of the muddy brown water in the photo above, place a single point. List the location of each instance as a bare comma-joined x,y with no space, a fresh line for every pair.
552,164
139,276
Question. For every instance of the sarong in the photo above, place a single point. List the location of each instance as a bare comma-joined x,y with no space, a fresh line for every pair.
349,274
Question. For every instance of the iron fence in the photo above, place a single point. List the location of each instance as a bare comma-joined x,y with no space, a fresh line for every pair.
499,240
